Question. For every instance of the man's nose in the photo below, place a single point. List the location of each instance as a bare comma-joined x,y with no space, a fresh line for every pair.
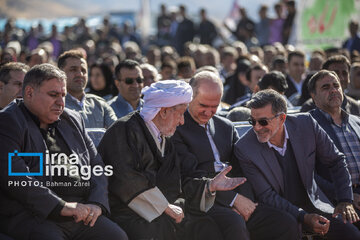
60,101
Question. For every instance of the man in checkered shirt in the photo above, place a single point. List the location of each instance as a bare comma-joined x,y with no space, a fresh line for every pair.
343,128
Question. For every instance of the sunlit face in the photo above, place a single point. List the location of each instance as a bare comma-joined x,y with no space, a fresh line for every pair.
270,131
174,117
47,102
328,93
296,67
77,75
130,92
342,71
204,105
12,89
97,79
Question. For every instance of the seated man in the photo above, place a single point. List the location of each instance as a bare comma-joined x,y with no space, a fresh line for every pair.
343,128
129,81
146,184
341,66
94,109
11,80
278,156
60,196
206,143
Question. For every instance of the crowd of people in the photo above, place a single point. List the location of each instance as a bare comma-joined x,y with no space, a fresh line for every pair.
166,112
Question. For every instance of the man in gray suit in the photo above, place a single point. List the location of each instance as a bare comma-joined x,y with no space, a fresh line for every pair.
278,157
42,195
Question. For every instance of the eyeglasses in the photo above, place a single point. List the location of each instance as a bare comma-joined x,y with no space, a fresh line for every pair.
264,121
130,81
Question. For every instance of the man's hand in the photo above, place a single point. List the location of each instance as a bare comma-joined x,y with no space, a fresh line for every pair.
94,212
347,211
222,183
244,206
175,213
357,200
76,210
317,223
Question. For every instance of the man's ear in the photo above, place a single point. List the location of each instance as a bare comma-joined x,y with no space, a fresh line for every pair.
163,112
117,84
29,91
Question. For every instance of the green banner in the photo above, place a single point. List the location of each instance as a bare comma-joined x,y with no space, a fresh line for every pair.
324,23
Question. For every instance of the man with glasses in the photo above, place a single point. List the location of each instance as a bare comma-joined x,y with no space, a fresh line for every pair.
94,109
206,143
278,157
129,81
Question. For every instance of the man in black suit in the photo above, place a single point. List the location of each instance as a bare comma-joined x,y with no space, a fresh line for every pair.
43,195
206,142
343,128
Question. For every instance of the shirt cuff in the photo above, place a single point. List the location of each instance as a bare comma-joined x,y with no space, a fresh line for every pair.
149,204
207,199
233,201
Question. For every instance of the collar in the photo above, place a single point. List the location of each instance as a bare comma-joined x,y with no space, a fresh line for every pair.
344,116
81,102
37,121
153,129
282,149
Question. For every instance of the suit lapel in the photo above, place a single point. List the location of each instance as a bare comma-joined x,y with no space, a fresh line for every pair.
355,125
271,162
300,157
35,135
69,135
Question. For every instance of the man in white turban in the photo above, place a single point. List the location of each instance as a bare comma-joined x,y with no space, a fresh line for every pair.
145,188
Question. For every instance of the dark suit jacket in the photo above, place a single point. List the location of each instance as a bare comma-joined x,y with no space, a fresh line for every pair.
354,122
193,146
310,144
349,104
22,206
291,87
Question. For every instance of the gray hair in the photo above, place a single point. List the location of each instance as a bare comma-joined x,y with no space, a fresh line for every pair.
266,97
40,73
208,76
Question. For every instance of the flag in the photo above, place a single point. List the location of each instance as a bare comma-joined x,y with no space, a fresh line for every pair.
144,18
233,15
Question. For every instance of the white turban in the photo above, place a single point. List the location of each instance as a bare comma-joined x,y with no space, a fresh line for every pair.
167,93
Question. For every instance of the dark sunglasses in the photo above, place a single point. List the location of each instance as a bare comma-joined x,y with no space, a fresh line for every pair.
264,121
131,80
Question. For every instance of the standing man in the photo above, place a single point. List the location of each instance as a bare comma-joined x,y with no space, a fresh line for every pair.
343,128
280,163
206,30
206,143
295,76
64,202
145,188
95,111
129,81
11,80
